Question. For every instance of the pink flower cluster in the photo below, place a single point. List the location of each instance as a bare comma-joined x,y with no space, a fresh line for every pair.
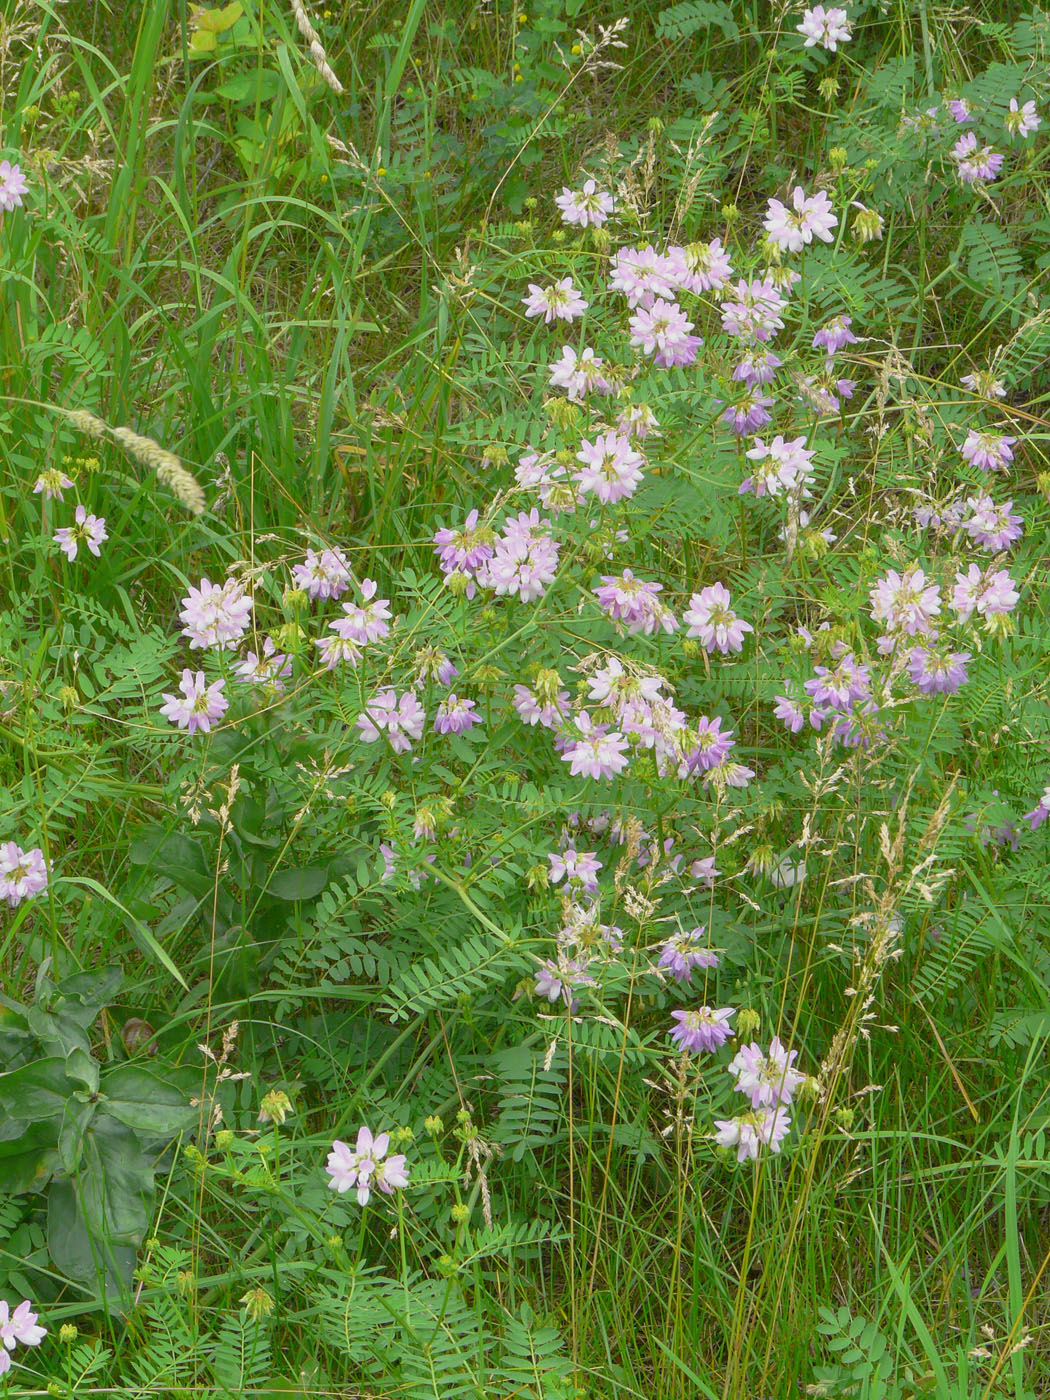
23,874
366,1165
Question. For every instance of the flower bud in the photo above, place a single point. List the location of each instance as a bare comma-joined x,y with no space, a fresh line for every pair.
748,1023
275,1107
433,1125
460,1213
867,225
837,158
257,1303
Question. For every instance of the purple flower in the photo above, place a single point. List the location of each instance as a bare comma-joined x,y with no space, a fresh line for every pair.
989,593
456,716
368,621
635,603
749,413
524,561
556,980
270,668
52,483
466,549
1021,121
835,334
973,164
809,217
826,27
938,673
599,752
549,714
767,1078
906,603
710,618
751,1131
579,374
365,1166
755,314
23,874
215,615
711,749
961,110
780,466
840,686
701,1030
989,451
13,185
587,206
200,706
575,868
992,526
663,331
89,530
642,274
682,952
1034,818
559,301
700,267
612,469
757,367
401,719
322,575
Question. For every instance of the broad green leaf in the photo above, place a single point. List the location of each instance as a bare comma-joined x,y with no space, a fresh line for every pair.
146,1102
36,1091
80,1255
298,884
27,1157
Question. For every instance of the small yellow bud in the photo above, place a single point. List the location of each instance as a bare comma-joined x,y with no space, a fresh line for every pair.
747,1023
460,1213
257,1303
275,1107
433,1125
68,1333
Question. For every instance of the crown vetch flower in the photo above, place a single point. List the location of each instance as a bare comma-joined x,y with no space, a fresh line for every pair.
643,274
751,1131
269,668
781,466
579,374
961,111
1039,812
215,615
906,603
548,713
683,951
809,217
365,622
767,1078
757,367
524,561
13,185
323,575
989,593
88,529
52,483
992,526
710,618
200,705
23,874
755,314
700,267
365,1166
598,752
635,603
826,27
936,672
556,981
975,164
575,867
560,301
989,451
834,335
456,716
1021,121
400,718
662,331
20,1326
701,1030
612,469
589,205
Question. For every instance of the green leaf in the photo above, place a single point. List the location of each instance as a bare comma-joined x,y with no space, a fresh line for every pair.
36,1091
28,1156
144,1101
305,883
79,1254
175,856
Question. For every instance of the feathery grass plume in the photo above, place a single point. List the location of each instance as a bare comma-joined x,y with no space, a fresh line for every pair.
169,470
317,52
